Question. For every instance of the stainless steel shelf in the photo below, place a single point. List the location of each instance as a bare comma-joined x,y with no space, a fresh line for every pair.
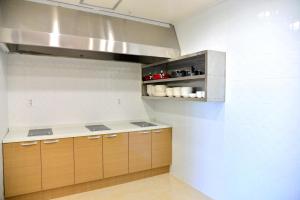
185,78
173,98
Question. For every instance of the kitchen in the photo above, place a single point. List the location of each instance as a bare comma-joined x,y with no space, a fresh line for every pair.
189,101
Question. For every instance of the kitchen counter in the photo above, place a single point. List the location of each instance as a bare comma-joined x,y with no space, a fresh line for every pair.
66,131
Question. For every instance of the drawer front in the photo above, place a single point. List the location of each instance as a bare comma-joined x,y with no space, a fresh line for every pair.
139,151
22,168
115,154
88,158
161,147
57,163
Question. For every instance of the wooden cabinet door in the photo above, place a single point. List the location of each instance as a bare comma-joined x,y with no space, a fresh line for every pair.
115,154
161,147
57,163
88,158
139,151
22,168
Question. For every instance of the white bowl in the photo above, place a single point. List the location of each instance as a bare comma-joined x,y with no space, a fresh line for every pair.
160,88
192,95
149,89
176,94
152,90
160,94
200,94
177,91
169,92
185,91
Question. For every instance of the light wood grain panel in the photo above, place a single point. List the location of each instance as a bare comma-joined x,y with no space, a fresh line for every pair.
115,154
88,158
84,187
139,151
161,147
57,163
22,168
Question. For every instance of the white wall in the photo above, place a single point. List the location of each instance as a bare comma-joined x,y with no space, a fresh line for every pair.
247,148
3,111
67,91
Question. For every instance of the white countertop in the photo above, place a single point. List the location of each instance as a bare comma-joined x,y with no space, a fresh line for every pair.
66,131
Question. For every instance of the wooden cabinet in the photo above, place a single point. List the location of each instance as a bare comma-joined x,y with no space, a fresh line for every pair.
161,147
88,158
22,168
115,154
42,165
57,163
139,151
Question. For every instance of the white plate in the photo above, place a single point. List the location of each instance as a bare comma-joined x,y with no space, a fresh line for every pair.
160,94
192,95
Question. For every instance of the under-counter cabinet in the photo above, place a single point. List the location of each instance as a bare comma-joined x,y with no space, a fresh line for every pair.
35,166
139,151
57,163
115,154
161,147
88,158
22,168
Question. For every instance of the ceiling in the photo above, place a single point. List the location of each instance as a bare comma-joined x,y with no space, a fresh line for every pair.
167,11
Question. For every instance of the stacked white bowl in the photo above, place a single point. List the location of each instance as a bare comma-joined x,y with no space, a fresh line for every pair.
185,91
177,91
150,90
169,92
160,90
163,90
200,94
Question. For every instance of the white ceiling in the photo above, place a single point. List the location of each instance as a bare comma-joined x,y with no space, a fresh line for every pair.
168,11
163,10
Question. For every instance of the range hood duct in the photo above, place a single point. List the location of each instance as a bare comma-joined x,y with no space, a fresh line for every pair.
41,29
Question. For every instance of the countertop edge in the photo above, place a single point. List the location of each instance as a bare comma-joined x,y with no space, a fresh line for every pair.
62,136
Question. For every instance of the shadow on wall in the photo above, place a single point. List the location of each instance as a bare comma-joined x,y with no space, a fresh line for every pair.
47,73
209,111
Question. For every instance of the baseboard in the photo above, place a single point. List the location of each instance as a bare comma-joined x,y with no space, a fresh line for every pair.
84,187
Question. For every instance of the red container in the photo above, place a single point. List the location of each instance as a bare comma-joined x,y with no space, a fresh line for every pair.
165,75
157,76
147,78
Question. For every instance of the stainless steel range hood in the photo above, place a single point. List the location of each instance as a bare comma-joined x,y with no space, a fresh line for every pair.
35,28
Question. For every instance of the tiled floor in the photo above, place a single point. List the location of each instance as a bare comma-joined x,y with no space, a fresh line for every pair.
162,187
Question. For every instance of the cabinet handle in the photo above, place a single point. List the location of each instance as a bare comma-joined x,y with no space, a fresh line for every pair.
29,143
110,136
145,132
157,131
94,137
50,141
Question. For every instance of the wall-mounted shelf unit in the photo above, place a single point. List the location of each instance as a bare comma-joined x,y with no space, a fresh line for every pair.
211,64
